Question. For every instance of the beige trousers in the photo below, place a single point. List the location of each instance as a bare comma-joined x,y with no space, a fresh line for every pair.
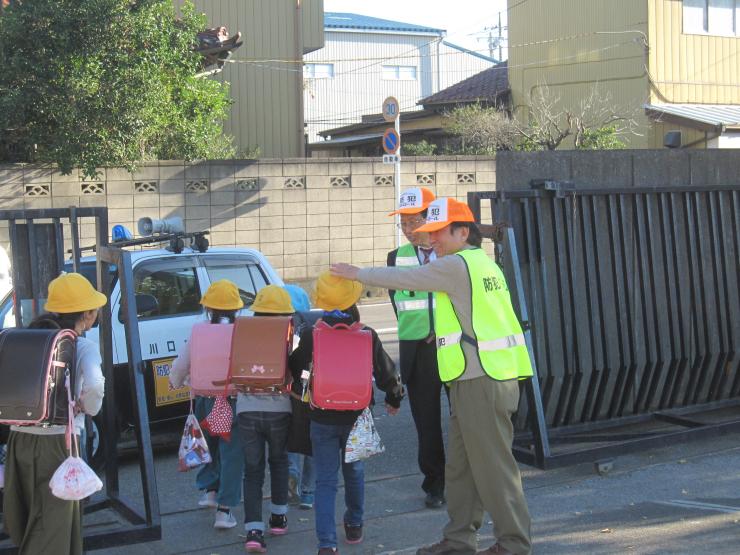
36,521
481,472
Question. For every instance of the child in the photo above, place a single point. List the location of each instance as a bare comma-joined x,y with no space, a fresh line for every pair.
36,520
264,418
301,479
330,429
222,477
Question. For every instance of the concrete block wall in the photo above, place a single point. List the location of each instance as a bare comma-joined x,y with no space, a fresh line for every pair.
303,214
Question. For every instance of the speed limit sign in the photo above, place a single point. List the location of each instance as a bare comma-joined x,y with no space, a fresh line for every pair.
391,109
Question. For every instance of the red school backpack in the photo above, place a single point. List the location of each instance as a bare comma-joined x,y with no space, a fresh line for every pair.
342,373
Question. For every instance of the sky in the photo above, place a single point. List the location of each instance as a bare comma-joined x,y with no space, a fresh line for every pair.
464,20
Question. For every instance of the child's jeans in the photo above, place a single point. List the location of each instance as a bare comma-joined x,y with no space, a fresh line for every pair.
328,443
224,473
301,467
257,429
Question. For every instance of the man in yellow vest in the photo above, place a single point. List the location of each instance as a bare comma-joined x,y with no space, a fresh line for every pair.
416,346
481,355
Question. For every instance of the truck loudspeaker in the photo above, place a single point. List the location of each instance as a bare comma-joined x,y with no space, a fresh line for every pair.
149,226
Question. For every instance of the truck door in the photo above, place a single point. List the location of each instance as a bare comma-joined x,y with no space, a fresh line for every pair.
176,285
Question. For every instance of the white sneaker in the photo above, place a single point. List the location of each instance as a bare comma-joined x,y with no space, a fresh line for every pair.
208,500
224,520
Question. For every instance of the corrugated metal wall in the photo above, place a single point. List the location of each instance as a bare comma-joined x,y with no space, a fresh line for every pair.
358,87
267,111
313,25
575,45
690,68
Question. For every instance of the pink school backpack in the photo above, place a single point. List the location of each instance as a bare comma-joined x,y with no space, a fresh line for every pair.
210,349
342,374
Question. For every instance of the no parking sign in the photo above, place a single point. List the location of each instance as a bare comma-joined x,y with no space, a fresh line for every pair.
391,141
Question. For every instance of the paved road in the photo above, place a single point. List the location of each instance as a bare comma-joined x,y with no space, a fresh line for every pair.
681,499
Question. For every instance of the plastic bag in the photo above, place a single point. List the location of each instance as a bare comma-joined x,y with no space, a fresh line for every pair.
193,450
363,441
218,422
74,480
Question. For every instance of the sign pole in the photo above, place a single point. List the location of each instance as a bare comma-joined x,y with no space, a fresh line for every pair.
392,146
397,181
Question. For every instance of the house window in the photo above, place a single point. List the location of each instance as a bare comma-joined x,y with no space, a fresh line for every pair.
399,73
714,17
318,71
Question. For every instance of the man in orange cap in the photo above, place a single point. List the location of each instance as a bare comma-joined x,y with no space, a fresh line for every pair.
481,355
417,351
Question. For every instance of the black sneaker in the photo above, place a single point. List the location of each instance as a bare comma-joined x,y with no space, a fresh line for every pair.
278,524
353,534
255,542
434,500
328,551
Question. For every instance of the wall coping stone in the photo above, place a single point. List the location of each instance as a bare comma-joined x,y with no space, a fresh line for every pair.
255,161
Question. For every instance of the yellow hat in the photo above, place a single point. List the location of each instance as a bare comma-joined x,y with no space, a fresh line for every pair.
335,293
222,295
73,293
273,299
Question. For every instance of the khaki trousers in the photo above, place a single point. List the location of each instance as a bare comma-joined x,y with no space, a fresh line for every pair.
481,472
36,521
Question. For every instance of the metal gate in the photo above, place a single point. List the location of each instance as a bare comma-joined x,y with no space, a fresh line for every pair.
634,310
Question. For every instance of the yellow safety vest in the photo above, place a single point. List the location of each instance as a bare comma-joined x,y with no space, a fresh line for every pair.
498,337
413,307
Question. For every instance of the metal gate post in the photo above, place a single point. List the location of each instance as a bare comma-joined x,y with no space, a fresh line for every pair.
136,379
532,385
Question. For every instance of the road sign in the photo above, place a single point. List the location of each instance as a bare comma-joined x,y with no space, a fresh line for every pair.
391,158
391,141
391,109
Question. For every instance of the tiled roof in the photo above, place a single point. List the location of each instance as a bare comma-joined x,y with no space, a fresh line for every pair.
486,86
342,20
709,114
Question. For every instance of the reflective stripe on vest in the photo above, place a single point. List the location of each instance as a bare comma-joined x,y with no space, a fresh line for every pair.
500,344
407,260
413,305
493,345
414,313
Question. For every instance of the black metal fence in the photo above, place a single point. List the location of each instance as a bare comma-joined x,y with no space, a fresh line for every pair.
632,295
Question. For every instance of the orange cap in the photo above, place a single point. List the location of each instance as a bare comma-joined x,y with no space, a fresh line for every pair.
413,201
443,211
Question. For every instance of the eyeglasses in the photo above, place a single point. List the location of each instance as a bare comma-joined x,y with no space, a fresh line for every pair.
411,224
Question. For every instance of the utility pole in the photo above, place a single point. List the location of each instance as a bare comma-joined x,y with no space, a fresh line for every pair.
495,40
